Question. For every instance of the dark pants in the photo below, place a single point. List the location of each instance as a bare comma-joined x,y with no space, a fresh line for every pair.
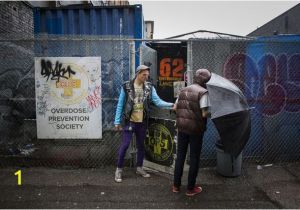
139,129
195,142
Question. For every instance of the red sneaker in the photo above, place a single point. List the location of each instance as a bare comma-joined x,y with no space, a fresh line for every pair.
197,189
175,189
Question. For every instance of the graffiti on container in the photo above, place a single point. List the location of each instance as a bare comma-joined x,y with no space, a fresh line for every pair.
94,99
271,83
56,73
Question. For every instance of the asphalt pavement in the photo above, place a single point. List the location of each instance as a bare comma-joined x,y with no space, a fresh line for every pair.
258,187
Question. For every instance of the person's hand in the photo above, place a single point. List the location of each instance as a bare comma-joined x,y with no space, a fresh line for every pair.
118,128
174,107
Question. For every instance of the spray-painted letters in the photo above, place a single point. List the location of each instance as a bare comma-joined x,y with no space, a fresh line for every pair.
56,73
271,82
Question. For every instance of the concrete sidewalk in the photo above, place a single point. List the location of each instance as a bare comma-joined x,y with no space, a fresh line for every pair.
270,187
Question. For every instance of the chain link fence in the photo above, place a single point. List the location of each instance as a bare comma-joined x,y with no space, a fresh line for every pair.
19,143
267,71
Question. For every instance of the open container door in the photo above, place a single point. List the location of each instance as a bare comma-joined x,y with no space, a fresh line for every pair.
167,69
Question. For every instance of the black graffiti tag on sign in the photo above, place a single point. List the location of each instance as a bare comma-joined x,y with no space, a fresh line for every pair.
56,73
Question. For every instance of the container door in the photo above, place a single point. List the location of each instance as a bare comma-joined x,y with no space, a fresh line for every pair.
160,142
171,68
148,57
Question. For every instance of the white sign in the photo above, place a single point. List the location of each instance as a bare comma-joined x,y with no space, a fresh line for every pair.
68,97
177,87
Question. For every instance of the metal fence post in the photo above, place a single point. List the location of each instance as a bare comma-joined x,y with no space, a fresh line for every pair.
132,149
132,60
189,64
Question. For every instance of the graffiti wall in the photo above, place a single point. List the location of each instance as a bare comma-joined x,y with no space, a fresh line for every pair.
17,97
267,71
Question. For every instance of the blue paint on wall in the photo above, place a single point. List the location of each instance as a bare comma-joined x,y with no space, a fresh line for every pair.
274,80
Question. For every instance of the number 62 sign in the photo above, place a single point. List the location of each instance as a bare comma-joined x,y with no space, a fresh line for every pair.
171,67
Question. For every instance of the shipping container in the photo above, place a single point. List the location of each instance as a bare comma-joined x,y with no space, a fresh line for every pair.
109,21
120,21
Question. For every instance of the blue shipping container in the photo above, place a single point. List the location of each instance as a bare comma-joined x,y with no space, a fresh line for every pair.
115,21
111,21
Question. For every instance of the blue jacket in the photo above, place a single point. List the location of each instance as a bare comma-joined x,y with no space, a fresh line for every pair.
122,99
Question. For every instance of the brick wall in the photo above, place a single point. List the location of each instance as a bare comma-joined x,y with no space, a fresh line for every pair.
16,17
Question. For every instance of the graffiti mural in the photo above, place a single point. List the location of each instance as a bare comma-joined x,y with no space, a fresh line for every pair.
266,69
271,81
268,74
17,99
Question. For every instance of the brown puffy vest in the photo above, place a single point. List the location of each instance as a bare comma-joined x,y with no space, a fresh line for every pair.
188,114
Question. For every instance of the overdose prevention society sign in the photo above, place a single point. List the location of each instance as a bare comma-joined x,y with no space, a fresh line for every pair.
68,97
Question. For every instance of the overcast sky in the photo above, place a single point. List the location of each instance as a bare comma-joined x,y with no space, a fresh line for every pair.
234,17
